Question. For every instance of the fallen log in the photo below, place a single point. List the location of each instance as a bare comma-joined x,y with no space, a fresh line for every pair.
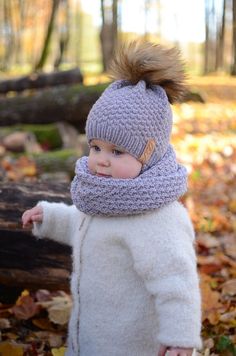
26,262
70,103
41,80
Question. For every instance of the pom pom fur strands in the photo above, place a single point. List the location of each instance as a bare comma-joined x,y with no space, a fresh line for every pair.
154,64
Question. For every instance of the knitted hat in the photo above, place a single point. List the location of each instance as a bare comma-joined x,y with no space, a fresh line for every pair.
134,111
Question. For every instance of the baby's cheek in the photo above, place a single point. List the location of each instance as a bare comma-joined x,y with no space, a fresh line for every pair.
127,170
91,165
134,168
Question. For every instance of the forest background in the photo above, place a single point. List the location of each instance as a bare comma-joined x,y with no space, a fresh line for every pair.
42,135
44,34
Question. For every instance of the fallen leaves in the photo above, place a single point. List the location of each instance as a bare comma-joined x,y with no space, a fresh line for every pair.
16,169
58,308
229,287
25,307
36,324
204,136
11,349
204,139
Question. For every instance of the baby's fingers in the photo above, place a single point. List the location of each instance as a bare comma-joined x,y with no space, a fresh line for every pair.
37,217
32,215
26,218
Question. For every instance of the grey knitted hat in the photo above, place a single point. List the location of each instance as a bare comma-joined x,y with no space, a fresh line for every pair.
134,111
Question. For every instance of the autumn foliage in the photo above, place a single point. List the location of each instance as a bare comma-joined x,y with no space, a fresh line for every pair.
204,138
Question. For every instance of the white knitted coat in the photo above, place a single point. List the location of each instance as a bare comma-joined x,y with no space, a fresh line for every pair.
136,278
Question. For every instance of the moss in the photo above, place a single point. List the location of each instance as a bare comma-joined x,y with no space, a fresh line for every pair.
56,154
58,160
74,90
47,135
98,87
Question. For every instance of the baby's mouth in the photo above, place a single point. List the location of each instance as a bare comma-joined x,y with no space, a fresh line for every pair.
103,175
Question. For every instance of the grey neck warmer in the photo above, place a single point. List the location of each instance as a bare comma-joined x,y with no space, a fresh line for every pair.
159,185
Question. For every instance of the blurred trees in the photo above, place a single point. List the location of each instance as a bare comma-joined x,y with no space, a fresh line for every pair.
54,33
220,40
44,54
109,30
233,71
61,6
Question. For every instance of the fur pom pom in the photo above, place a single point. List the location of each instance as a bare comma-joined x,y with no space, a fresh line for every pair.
154,64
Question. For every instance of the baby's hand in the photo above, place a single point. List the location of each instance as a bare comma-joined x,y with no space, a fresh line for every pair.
32,215
174,351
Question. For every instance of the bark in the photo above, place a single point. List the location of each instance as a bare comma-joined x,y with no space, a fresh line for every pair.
114,23
66,103
233,70
46,45
220,40
210,40
41,80
108,34
9,35
64,33
26,262
206,49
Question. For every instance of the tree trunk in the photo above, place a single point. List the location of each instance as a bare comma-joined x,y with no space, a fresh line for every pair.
45,49
64,33
26,262
108,34
114,24
206,49
42,80
233,70
21,12
9,35
220,40
210,41
66,103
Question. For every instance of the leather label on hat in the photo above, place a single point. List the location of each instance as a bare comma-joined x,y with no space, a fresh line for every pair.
148,150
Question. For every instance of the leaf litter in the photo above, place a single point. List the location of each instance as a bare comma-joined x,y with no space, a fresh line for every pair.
204,138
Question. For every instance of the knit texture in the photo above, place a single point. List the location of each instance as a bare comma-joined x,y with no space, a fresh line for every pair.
161,184
129,115
134,280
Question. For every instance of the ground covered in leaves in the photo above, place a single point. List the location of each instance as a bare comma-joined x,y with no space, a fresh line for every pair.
204,138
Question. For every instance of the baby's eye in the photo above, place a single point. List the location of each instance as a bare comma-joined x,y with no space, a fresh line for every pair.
95,148
117,152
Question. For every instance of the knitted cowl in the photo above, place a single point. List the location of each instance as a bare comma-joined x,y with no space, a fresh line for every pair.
159,185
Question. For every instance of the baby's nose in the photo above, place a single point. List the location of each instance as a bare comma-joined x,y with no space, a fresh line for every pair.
104,161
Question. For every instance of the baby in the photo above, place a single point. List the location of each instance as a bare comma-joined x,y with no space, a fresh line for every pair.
134,282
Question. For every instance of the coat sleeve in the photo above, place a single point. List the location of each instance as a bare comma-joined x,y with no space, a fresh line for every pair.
166,261
59,222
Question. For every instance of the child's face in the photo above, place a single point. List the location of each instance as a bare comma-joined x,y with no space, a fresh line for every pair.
108,160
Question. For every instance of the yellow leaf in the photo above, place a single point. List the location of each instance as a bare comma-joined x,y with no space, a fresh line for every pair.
59,352
9,349
29,171
25,293
232,206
